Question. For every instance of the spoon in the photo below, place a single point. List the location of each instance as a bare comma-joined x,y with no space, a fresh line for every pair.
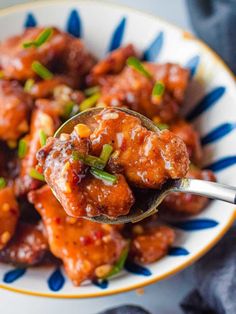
147,202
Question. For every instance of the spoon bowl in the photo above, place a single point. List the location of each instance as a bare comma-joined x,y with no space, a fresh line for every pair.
147,201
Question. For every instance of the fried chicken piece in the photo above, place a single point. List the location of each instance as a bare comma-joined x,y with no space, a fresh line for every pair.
40,121
15,106
186,132
27,247
87,249
133,90
45,89
79,192
187,203
113,63
150,243
9,214
147,159
61,53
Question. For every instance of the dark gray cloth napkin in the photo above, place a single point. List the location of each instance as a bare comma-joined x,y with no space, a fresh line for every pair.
215,276
126,309
215,22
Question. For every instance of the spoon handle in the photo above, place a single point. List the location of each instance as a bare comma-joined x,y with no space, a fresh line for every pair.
211,190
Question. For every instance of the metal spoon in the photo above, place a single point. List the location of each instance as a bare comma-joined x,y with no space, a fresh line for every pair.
147,202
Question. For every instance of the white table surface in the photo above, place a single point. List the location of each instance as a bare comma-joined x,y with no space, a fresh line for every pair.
160,298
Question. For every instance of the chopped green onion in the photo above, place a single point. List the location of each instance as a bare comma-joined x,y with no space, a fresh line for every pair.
22,148
42,137
33,173
119,265
89,102
103,175
41,39
88,160
41,70
135,64
2,183
106,153
92,90
70,109
162,126
158,89
28,85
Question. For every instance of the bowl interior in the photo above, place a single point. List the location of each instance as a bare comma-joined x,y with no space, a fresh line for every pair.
209,106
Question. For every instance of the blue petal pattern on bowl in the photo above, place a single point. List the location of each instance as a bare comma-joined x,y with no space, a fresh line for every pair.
56,280
192,65
178,251
30,21
219,132
117,35
195,224
74,25
137,269
208,101
13,275
103,284
222,164
152,52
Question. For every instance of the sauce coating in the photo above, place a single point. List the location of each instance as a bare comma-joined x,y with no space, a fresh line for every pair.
145,159
82,245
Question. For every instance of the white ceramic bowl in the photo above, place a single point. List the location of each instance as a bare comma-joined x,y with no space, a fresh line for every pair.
211,106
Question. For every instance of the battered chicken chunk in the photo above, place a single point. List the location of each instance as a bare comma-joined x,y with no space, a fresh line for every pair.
15,106
61,54
9,214
46,88
112,64
79,192
133,90
27,247
147,159
40,121
186,203
88,250
150,243
185,130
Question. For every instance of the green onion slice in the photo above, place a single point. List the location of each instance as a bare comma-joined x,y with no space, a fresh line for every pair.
135,64
28,85
103,175
2,183
88,160
119,265
33,173
41,70
162,126
92,90
40,40
42,137
158,89
22,148
107,149
70,109
89,102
